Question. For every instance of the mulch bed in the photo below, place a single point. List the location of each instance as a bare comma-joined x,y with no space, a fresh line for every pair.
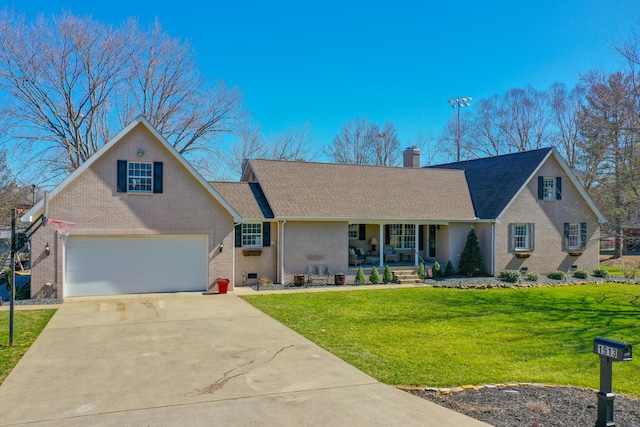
531,405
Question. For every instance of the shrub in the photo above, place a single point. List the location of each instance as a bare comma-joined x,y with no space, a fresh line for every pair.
449,270
23,292
375,276
511,276
471,258
533,276
581,274
601,272
387,277
360,280
421,273
437,270
556,275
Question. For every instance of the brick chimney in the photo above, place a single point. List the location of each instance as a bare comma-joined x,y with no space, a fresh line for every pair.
411,157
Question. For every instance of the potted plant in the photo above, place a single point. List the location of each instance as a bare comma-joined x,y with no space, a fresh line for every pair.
339,279
223,285
298,279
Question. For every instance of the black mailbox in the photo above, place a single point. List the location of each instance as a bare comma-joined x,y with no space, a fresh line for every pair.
617,351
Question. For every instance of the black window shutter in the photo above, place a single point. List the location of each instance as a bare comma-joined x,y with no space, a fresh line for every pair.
421,237
566,235
157,177
266,234
362,232
559,188
122,176
387,235
540,187
238,235
583,235
532,237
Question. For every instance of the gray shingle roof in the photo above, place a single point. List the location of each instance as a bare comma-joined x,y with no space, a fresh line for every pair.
493,181
246,198
353,192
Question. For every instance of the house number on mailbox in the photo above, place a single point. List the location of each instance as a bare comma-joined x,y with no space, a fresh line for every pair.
607,351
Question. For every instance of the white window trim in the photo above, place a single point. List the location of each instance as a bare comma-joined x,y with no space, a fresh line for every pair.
577,236
526,236
256,236
354,228
552,196
149,178
405,233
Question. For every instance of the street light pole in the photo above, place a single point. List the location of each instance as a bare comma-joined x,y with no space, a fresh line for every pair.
458,103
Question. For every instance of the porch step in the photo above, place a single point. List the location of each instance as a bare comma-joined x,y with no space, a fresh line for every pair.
405,277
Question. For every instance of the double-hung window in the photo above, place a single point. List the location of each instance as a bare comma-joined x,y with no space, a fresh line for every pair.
252,234
575,235
354,231
549,187
139,177
402,236
521,237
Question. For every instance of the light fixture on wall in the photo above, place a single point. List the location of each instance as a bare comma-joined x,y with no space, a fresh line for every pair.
140,152
47,249
374,243
221,246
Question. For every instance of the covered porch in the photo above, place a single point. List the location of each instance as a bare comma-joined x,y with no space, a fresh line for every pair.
393,244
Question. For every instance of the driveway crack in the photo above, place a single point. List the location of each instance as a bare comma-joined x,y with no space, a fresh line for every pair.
229,375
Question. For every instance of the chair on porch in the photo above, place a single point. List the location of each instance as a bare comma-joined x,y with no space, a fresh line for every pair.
390,255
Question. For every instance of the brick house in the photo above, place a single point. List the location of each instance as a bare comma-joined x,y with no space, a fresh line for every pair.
146,221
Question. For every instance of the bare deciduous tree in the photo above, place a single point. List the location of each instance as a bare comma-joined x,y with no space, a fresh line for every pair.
523,119
361,142
71,79
295,143
565,105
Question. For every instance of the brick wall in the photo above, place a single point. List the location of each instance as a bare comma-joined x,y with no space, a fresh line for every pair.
308,243
549,217
264,265
92,202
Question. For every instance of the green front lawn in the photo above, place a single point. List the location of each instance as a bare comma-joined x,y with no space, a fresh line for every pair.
449,337
27,326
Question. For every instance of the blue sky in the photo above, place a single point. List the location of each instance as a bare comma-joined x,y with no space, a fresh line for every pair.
328,62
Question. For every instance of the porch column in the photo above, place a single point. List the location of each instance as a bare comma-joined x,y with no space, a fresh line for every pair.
381,244
416,246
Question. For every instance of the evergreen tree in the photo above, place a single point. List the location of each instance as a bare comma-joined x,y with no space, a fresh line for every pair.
388,275
449,270
375,276
471,257
421,273
437,270
360,280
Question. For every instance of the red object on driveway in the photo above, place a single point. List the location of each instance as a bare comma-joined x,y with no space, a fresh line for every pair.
223,285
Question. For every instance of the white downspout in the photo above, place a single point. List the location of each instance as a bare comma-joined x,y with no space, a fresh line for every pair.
380,246
281,267
493,247
416,245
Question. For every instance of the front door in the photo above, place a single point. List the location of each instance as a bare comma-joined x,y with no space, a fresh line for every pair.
431,245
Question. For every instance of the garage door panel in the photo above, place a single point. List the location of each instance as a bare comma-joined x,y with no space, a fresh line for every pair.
135,264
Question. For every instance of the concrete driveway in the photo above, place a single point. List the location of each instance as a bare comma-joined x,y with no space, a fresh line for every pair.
193,359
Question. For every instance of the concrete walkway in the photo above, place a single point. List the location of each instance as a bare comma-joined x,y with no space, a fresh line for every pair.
193,359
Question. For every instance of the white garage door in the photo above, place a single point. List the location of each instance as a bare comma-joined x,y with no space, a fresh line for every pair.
138,264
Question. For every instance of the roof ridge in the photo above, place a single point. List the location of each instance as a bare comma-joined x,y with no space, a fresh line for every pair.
499,156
